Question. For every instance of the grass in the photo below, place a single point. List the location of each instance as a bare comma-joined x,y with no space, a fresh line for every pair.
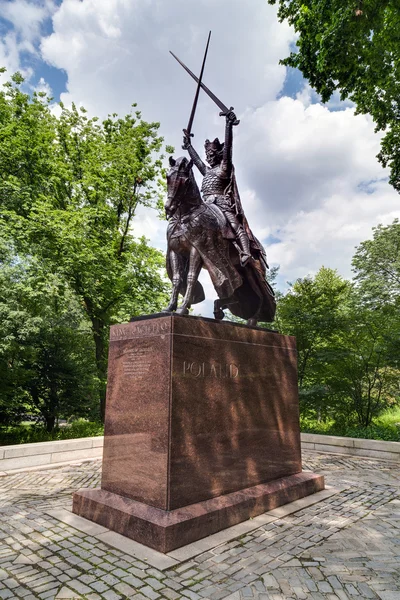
390,417
385,427
29,433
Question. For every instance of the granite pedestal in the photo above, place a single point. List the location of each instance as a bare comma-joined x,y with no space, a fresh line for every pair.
201,432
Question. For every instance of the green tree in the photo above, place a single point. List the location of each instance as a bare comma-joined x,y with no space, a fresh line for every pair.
364,366
376,264
61,372
47,365
312,311
348,351
15,327
69,192
352,46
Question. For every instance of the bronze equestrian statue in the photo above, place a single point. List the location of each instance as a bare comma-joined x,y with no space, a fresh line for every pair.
219,185
211,231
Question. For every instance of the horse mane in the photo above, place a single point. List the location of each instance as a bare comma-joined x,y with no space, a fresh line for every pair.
182,164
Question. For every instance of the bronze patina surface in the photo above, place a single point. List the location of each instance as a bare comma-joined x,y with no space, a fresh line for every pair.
209,229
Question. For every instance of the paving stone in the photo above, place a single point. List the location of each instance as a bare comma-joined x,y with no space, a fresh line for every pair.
171,594
110,595
99,586
46,587
154,583
155,573
133,581
190,594
65,593
78,586
346,546
149,593
125,589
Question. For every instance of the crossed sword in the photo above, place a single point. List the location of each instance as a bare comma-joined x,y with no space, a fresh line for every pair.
200,85
224,109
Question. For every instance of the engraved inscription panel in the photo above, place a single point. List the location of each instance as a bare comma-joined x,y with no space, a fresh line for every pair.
137,362
135,457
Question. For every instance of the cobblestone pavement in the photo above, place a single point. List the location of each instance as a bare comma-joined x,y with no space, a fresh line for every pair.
347,546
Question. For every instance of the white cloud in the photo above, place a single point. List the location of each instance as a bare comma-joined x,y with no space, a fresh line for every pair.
116,52
43,86
27,17
293,155
9,55
308,95
311,180
328,234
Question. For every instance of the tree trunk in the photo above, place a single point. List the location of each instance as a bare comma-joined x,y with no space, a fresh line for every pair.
101,361
99,328
50,422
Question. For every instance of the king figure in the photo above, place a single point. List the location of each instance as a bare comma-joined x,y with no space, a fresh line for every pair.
219,183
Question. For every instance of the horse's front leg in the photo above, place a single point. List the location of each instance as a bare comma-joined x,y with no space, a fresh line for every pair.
195,264
177,280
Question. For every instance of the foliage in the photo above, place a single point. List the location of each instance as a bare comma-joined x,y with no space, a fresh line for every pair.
27,434
348,357
364,368
377,266
390,417
69,191
47,362
385,427
352,46
311,311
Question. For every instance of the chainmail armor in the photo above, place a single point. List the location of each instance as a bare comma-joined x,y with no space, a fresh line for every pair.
213,183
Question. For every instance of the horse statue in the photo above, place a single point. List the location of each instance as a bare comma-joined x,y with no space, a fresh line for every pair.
199,237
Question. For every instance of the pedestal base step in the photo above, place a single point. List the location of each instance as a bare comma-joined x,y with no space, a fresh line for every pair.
167,530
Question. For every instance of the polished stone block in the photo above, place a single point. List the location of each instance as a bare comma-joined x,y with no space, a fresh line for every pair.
197,409
166,530
137,423
234,409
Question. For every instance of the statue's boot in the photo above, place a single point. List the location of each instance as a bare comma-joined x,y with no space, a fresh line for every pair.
245,244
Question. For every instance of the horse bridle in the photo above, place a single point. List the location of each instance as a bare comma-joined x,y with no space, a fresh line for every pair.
182,193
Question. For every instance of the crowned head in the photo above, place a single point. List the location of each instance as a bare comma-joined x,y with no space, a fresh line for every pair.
214,152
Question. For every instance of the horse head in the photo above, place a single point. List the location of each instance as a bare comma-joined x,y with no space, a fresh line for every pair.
181,185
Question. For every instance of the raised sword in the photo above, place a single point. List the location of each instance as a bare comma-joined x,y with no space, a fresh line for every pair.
188,130
224,109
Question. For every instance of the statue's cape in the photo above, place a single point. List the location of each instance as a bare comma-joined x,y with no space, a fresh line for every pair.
255,271
255,245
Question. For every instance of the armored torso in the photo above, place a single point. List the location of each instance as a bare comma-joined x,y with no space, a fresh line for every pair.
214,183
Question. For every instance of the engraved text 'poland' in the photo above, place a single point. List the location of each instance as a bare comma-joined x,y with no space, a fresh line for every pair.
213,369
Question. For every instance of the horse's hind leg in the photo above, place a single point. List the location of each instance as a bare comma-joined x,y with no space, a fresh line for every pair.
252,322
177,280
218,312
195,264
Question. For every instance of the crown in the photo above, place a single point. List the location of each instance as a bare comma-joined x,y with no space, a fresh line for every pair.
215,145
